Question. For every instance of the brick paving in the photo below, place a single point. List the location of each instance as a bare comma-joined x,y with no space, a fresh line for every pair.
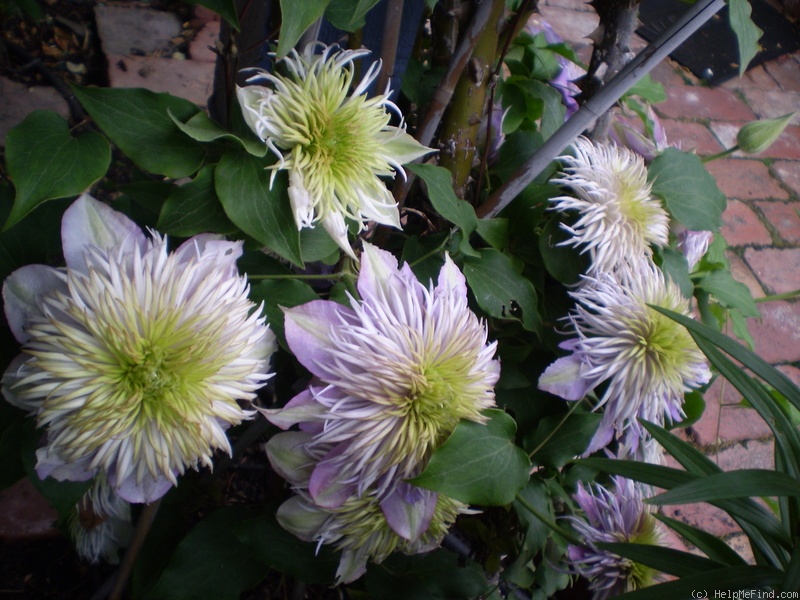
762,223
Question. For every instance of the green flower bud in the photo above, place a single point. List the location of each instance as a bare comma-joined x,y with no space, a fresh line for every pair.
757,136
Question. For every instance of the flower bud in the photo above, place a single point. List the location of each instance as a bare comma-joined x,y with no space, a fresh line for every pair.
757,136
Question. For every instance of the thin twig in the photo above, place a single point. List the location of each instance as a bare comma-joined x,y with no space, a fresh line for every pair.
605,98
446,87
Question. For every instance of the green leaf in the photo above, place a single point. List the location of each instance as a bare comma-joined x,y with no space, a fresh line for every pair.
689,457
316,244
194,208
297,15
277,293
224,8
478,464
708,583
674,266
747,34
557,443
437,575
689,191
446,203
138,121
729,292
709,544
495,232
667,560
201,128
648,89
278,549
45,162
501,290
694,405
742,483
564,263
211,563
536,532
349,15
262,212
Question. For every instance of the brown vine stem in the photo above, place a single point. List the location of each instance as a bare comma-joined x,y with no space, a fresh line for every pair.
391,36
146,519
444,91
598,104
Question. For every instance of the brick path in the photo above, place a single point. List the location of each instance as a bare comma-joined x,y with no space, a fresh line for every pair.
762,223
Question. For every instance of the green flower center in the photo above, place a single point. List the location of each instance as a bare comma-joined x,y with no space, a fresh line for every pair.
663,343
150,378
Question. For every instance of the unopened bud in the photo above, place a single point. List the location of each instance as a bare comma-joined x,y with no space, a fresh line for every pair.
757,136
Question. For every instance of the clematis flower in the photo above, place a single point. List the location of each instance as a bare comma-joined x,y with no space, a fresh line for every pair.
693,245
365,528
134,359
612,516
648,360
335,146
101,524
617,216
394,374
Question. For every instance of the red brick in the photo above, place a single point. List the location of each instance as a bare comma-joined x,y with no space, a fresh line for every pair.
741,226
751,454
670,73
757,77
784,218
697,102
771,103
573,25
26,514
789,173
200,46
787,146
691,136
18,100
741,272
724,420
786,71
777,268
745,179
777,333
704,516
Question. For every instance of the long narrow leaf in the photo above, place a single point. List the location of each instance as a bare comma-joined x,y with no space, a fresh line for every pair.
792,581
706,584
708,544
689,457
666,560
749,359
742,483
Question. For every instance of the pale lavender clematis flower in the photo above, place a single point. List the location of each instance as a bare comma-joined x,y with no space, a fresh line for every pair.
618,217
134,359
648,360
365,528
693,245
629,132
617,515
394,374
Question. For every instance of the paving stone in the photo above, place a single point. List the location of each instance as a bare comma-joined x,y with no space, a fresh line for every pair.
26,515
200,46
741,226
777,268
786,72
724,420
201,16
691,136
18,100
740,543
124,30
188,79
699,102
670,73
773,102
742,273
750,454
571,24
745,179
784,218
704,516
789,173
777,333
757,77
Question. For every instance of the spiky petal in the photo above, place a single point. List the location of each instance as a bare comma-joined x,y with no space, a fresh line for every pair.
335,144
612,516
648,360
394,374
617,218
135,360
101,524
